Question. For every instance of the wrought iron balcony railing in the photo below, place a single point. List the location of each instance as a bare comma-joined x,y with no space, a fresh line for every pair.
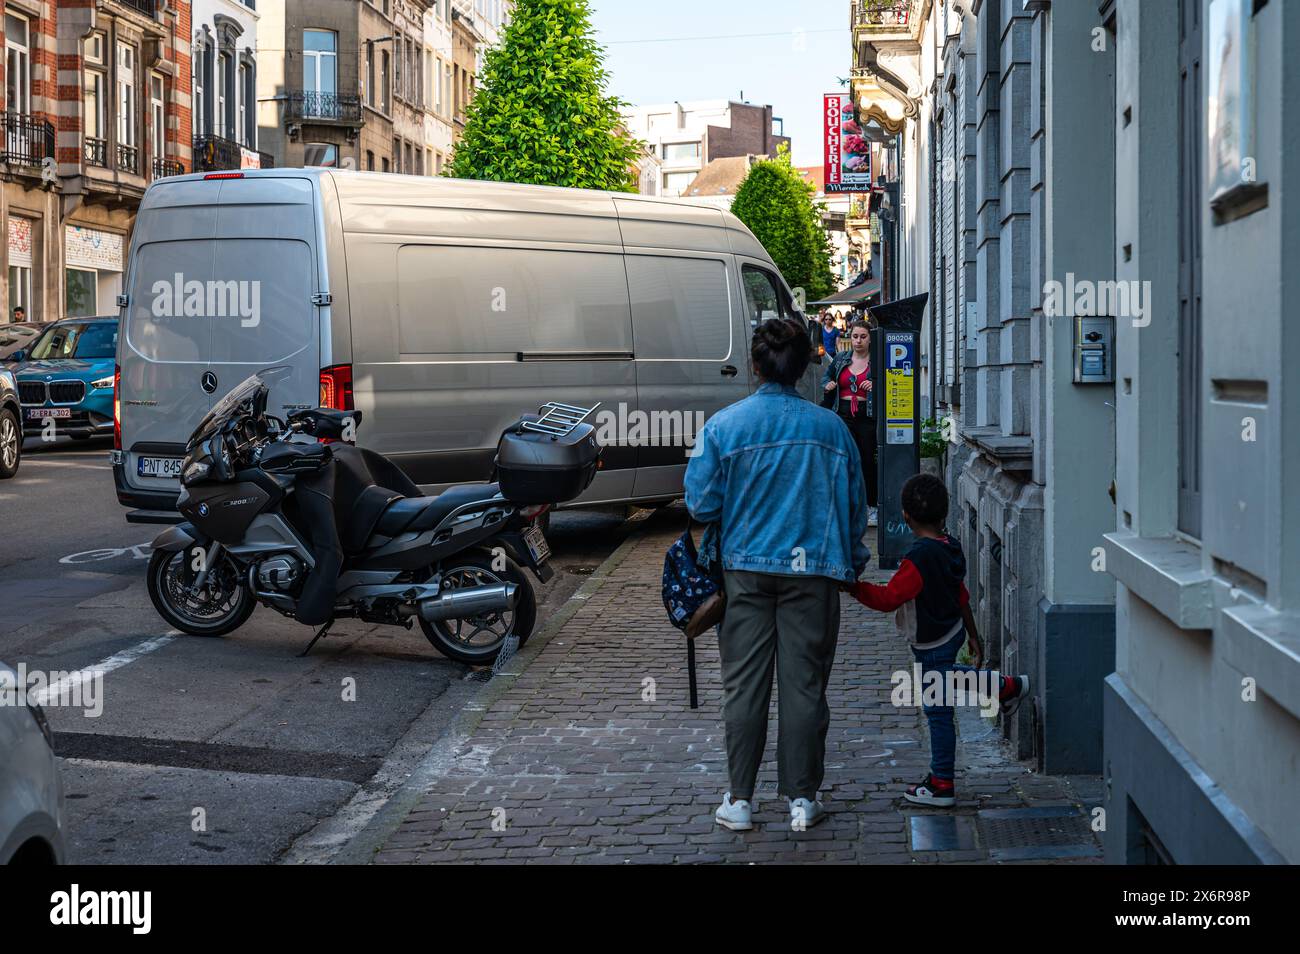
313,105
28,141
885,18
217,153
148,7
162,168
128,158
95,152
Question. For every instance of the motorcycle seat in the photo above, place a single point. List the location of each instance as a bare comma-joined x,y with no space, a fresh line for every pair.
416,514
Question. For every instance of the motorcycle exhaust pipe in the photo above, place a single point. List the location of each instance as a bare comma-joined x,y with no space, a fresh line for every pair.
470,601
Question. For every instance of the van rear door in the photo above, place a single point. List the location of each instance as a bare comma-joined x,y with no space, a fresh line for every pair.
222,278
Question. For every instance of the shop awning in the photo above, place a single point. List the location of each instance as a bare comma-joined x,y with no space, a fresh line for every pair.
855,295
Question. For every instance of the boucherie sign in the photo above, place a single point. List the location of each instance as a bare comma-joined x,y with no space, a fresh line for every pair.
848,153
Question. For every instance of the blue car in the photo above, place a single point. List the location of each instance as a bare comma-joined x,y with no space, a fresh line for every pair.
66,377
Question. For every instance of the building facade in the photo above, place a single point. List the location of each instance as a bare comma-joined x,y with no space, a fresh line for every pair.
224,85
686,137
1117,469
439,134
97,104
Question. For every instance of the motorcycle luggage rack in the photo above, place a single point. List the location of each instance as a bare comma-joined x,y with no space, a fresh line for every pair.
558,419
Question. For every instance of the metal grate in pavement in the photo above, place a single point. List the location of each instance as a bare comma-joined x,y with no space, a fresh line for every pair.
1039,833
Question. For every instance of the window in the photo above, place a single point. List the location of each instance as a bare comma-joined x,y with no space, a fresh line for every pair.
681,151
222,124
250,107
18,65
319,69
201,125
1190,130
397,155
446,91
408,166
384,167
157,118
126,122
762,298
370,160
320,154
94,99
384,90
369,79
81,288
398,89
675,183
241,109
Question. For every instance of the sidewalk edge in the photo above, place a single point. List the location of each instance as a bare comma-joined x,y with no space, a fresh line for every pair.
363,846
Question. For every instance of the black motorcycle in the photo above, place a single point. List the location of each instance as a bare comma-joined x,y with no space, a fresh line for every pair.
290,514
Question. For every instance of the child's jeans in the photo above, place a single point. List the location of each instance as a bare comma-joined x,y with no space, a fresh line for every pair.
943,730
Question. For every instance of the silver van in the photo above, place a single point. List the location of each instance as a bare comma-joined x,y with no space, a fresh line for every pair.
442,308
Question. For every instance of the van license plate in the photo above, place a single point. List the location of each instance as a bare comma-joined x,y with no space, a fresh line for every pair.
41,413
159,466
538,548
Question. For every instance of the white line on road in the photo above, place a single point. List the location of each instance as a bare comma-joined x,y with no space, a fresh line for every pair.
116,661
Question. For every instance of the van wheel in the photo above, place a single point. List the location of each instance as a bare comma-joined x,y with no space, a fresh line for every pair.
478,640
222,606
11,444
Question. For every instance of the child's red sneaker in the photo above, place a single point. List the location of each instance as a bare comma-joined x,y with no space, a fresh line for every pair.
938,792
1012,691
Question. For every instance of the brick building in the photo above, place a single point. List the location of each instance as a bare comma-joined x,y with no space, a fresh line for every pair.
97,104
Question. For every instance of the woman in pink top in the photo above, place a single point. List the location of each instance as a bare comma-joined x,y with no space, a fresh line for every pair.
848,390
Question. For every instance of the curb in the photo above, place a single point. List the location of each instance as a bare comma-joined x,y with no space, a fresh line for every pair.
442,755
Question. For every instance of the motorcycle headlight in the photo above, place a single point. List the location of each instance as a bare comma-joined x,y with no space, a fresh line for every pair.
195,472
103,384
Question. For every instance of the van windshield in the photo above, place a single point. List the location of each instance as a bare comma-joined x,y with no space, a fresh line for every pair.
76,340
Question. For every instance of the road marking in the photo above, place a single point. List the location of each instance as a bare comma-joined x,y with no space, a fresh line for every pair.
140,551
116,661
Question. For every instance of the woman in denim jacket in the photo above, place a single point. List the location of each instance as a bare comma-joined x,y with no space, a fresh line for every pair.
782,478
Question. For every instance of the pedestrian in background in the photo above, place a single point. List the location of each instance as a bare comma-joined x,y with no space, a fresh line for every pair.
848,390
781,476
830,334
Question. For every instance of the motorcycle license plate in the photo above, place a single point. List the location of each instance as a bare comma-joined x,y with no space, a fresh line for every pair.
538,548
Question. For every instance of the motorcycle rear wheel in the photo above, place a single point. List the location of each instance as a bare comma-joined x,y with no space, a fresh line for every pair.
477,641
227,605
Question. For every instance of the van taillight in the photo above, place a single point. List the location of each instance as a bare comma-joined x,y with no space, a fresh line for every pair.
117,407
336,387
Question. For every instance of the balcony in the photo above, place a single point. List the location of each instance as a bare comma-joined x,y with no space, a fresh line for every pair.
162,168
217,153
95,152
27,141
309,105
128,159
887,19
148,8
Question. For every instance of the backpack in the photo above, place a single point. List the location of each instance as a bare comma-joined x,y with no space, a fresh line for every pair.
692,587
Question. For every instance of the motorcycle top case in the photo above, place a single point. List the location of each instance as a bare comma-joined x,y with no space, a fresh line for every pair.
537,468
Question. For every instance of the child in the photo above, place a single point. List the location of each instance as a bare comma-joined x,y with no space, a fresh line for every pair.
933,612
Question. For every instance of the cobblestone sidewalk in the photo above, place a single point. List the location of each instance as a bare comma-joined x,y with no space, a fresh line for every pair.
574,760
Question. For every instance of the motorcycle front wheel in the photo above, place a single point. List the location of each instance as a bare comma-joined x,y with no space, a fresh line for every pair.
478,640
221,606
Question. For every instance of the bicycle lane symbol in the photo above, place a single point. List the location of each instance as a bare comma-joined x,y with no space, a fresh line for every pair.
141,551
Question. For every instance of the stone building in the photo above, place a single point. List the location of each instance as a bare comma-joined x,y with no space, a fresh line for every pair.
97,104
224,85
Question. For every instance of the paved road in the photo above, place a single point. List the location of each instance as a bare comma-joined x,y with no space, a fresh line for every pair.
216,750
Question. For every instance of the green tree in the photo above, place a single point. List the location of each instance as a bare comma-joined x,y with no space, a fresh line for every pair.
541,114
777,205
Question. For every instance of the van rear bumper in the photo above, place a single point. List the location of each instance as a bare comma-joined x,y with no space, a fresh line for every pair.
150,506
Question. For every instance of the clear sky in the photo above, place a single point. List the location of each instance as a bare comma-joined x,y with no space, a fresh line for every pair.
668,50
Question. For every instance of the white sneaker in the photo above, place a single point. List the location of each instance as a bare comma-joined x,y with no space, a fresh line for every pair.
873,515
735,816
804,814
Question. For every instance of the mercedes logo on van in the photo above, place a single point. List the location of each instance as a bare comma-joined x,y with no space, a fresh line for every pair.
209,381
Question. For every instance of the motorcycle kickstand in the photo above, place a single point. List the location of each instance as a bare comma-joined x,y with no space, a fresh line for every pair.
323,630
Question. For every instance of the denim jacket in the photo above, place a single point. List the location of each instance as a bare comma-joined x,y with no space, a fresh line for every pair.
833,371
783,478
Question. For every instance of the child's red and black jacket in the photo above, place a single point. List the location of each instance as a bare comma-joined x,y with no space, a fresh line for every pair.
926,593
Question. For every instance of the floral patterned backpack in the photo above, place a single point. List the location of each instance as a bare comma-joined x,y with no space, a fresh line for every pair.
692,592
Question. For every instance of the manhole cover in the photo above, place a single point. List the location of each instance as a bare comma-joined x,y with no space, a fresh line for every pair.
1035,833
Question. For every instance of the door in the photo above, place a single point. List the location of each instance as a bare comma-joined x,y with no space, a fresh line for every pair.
690,361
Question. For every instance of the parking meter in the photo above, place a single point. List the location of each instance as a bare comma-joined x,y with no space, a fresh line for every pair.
896,352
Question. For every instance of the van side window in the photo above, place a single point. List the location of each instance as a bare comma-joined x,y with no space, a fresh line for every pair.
762,300
679,307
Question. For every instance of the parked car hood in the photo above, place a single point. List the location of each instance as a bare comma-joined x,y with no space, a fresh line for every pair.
61,367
